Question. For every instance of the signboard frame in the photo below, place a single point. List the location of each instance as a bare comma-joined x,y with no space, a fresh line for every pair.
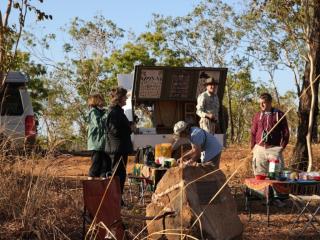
170,87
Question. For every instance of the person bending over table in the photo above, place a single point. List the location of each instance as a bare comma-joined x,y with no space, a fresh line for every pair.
268,145
202,143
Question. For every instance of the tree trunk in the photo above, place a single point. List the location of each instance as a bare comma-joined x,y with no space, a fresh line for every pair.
230,112
271,75
300,152
315,138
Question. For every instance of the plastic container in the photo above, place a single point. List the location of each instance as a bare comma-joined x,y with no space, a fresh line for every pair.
163,150
260,177
274,168
286,174
316,178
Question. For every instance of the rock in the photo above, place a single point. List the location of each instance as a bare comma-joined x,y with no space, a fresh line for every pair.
178,191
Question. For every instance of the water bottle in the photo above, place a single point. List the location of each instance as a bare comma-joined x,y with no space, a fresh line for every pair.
274,168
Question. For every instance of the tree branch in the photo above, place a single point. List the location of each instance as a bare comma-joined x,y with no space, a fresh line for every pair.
6,16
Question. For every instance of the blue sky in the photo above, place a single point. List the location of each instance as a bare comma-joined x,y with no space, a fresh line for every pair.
129,15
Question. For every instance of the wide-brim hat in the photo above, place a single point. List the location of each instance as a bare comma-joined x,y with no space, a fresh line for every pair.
211,80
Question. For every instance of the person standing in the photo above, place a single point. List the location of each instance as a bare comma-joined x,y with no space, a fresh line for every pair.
208,107
100,161
202,143
119,129
267,145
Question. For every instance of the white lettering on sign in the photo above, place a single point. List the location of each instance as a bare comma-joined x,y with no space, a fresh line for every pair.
150,83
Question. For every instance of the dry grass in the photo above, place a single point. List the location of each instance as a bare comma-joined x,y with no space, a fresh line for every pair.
41,197
37,204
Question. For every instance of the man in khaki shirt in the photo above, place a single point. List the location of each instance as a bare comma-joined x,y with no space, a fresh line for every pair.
208,106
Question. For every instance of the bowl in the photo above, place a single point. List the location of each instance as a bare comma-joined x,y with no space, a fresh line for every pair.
281,178
260,177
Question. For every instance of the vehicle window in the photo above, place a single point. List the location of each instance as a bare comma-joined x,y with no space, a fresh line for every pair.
10,101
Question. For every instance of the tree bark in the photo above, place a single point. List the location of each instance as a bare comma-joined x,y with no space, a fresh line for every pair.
230,112
300,152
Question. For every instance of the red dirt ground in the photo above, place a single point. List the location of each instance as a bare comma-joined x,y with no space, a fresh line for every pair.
76,168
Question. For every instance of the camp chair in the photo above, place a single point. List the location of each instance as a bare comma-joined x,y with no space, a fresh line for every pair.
143,184
108,220
308,207
108,223
140,177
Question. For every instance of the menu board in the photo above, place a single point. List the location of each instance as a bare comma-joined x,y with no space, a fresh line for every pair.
201,80
162,83
150,83
180,84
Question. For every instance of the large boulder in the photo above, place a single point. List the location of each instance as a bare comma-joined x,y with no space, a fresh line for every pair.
179,191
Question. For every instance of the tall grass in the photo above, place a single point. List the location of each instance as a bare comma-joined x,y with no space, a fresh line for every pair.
36,206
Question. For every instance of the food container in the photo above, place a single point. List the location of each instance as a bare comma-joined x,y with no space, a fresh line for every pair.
260,177
286,174
163,150
303,175
294,176
316,178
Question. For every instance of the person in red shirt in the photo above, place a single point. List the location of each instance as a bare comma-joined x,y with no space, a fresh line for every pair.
267,145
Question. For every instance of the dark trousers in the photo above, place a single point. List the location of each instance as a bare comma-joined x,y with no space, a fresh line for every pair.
121,169
100,164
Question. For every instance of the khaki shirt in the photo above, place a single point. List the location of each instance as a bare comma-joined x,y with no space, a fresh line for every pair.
207,103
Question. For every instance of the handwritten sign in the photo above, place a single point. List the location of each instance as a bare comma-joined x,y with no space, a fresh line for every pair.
180,83
150,83
201,87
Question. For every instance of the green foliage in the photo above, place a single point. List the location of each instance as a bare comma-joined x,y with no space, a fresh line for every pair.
210,35
11,27
206,36
240,100
37,82
275,35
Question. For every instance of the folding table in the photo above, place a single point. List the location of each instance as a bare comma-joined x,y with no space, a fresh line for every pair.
274,189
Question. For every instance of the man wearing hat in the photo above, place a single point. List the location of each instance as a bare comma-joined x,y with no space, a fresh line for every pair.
208,106
202,142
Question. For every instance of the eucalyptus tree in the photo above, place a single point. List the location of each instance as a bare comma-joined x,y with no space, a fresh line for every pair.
95,55
240,93
207,36
90,43
11,27
294,25
37,80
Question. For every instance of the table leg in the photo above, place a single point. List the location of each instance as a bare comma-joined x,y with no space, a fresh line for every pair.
247,202
268,205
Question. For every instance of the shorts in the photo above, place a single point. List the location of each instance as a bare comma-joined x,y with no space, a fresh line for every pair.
261,157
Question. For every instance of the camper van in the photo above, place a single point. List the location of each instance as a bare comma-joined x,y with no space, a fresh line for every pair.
17,120
162,96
